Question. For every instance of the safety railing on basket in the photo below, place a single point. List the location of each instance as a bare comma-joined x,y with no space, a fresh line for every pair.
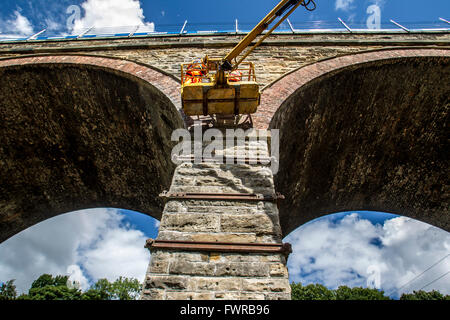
197,72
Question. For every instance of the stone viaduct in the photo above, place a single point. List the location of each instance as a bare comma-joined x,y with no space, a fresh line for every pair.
363,122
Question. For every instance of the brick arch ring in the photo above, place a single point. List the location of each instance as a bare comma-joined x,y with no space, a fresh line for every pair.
280,90
166,83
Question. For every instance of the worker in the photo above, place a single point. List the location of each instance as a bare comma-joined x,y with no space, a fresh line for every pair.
195,72
235,76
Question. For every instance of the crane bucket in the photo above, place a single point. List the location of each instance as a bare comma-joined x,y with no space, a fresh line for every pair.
202,96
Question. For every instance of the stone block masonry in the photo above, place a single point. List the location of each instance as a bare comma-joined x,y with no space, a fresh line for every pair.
278,55
219,274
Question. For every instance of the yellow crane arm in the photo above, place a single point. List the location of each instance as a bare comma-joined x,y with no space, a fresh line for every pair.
211,87
278,11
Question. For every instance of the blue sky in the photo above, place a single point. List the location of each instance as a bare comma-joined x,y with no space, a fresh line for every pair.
335,250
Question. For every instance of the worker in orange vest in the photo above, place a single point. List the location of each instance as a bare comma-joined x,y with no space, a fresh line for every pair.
235,76
195,72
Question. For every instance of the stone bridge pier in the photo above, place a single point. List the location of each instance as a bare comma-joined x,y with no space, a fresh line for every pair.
220,235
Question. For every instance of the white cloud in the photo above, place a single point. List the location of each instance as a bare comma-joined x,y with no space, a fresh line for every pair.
119,250
344,5
88,244
21,24
52,24
343,252
18,26
111,13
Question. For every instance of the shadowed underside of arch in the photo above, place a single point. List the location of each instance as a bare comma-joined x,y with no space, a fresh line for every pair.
367,136
82,132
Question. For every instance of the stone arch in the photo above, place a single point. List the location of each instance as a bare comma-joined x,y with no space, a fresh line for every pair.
363,132
81,132
277,92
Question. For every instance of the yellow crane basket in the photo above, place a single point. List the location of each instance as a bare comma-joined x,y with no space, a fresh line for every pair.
201,95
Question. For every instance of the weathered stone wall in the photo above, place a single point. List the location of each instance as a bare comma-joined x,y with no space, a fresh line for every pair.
76,136
213,275
278,55
369,136
275,94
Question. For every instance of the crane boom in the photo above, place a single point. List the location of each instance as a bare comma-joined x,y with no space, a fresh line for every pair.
225,88
276,12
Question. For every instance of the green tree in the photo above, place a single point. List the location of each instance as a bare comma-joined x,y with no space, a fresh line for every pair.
311,292
423,295
52,293
49,280
320,292
47,287
126,289
346,293
101,290
121,289
8,290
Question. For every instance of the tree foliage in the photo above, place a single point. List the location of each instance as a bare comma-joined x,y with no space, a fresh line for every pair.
50,292
311,292
47,287
48,280
358,293
101,290
423,295
320,292
8,290
121,289
126,289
